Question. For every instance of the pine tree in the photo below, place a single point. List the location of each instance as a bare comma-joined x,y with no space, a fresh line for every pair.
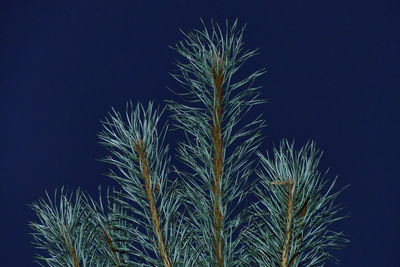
193,215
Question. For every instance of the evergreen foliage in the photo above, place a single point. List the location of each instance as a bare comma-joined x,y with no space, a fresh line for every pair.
294,211
163,215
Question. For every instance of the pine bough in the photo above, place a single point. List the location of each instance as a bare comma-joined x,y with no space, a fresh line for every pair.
197,215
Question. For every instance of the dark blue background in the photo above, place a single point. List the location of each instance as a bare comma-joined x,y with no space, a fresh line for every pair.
333,76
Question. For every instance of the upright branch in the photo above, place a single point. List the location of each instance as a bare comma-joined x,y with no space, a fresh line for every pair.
141,153
295,210
217,151
63,230
72,252
289,220
217,69
142,169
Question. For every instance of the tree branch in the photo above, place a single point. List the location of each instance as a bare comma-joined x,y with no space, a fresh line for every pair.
141,152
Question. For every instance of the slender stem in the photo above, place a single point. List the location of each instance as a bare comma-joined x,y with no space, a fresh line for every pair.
110,243
303,212
140,150
72,251
217,162
289,221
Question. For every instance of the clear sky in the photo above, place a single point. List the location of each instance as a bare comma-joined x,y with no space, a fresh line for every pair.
333,77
